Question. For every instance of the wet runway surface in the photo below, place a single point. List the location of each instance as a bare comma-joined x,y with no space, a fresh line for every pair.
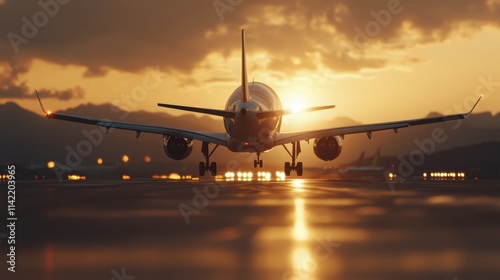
297,229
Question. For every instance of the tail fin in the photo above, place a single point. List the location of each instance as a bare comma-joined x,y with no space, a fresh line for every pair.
244,79
376,158
360,159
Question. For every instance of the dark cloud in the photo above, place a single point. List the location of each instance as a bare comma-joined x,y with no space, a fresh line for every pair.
131,35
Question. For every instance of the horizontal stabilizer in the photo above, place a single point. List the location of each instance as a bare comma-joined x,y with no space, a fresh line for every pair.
279,113
214,112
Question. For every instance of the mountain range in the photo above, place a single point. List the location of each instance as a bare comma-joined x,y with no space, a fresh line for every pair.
29,139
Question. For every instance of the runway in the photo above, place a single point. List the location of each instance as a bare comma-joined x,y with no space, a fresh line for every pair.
296,229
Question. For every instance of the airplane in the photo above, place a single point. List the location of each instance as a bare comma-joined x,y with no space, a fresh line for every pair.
252,120
361,171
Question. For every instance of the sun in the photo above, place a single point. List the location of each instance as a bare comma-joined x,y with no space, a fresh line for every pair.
296,105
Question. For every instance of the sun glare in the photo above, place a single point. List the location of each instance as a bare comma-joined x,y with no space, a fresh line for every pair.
296,106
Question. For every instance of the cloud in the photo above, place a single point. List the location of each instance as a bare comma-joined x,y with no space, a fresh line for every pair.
22,92
131,35
12,88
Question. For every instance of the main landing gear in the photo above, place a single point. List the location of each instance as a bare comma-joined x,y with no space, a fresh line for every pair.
258,161
207,166
289,167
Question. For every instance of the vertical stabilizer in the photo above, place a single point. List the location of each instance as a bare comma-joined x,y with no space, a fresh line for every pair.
244,79
361,158
376,158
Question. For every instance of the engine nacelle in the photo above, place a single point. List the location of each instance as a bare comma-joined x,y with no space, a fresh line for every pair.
177,147
328,148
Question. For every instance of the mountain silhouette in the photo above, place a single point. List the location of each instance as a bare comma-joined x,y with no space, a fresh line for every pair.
32,140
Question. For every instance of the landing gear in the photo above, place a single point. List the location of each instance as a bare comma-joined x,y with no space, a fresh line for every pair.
289,167
299,168
213,168
258,161
207,166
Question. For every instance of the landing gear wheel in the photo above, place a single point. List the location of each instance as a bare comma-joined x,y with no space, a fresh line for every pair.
213,168
288,168
207,166
257,161
299,168
202,168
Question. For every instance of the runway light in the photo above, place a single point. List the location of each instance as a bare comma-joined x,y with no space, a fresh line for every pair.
125,158
218,178
51,164
99,161
424,175
147,159
280,176
391,175
229,176
446,175
74,177
174,176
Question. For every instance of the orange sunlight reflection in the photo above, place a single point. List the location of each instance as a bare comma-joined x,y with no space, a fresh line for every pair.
298,185
300,229
49,262
302,262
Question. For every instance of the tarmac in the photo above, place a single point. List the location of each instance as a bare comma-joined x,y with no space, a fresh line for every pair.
293,229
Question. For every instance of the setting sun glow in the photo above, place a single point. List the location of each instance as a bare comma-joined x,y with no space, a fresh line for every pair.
296,106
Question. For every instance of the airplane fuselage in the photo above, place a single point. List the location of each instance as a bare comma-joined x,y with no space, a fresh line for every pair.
247,133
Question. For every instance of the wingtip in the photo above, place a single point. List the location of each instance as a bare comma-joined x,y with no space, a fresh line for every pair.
40,101
47,113
474,107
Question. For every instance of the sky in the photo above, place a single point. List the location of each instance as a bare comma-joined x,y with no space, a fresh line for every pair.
376,60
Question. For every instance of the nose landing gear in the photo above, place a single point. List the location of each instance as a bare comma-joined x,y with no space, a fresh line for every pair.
258,161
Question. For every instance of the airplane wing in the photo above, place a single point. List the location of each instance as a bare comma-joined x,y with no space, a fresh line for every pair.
210,137
290,137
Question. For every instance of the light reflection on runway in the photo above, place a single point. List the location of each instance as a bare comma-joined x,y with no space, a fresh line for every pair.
301,257
297,229
300,232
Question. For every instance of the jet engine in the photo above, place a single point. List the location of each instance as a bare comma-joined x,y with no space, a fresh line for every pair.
328,148
177,147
